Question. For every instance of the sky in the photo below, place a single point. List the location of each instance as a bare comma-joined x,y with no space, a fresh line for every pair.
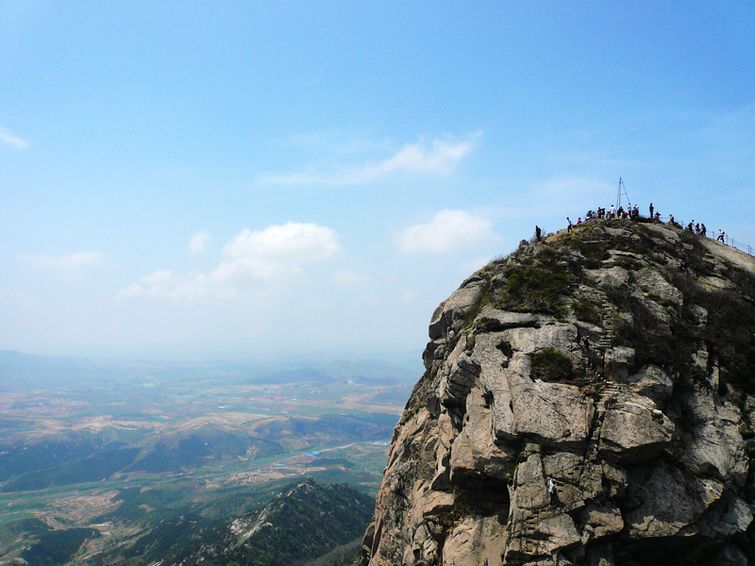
224,179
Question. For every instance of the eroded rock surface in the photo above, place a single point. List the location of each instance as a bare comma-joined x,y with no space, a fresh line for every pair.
588,400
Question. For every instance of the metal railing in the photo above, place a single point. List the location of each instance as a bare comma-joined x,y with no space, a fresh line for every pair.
741,246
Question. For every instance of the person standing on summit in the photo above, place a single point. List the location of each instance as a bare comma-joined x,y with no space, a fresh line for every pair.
651,209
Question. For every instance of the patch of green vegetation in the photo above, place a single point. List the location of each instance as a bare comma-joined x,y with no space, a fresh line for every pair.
333,462
57,547
92,468
586,310
531,288
549,364
303,523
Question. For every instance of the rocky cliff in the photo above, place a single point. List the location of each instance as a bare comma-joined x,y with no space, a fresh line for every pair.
588,400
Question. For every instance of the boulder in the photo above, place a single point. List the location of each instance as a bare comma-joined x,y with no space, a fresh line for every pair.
552,413
670,503
653,284
600,520
475,452
634,430
652,382
457,306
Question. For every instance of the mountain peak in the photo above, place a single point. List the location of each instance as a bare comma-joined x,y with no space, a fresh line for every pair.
588,399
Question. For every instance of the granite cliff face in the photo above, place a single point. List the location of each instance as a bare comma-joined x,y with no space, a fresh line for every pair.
588,400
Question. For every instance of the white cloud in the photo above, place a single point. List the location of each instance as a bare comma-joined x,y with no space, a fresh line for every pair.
293,240
165,283
198,242
439,157
448,230
8,138
64,262
273,253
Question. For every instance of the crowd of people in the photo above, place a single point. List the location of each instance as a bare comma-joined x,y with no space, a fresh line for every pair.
632,212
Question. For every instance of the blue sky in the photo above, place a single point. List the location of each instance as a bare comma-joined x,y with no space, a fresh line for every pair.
186,179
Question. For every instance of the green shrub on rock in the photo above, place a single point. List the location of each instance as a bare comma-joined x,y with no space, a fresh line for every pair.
536,289
549,364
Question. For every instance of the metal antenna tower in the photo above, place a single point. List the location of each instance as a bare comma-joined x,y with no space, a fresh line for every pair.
621,193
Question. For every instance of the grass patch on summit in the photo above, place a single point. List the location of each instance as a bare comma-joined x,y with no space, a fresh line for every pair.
531,288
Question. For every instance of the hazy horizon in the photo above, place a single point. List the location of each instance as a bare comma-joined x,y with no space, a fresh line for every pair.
198,181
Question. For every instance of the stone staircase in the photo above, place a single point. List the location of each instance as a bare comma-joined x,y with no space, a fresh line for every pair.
606,339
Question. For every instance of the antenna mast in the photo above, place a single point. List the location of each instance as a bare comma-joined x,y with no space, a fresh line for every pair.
621,192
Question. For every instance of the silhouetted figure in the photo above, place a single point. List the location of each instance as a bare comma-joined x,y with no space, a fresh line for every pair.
538,233
703,230
651,209
568,226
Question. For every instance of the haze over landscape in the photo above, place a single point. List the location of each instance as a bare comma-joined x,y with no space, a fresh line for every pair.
224,228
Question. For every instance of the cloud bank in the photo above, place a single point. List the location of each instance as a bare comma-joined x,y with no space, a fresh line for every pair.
438,157
449,230
273,253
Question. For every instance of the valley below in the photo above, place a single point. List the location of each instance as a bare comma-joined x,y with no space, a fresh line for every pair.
106,464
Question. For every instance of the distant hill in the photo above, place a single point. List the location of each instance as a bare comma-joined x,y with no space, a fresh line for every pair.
304,522
71,458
